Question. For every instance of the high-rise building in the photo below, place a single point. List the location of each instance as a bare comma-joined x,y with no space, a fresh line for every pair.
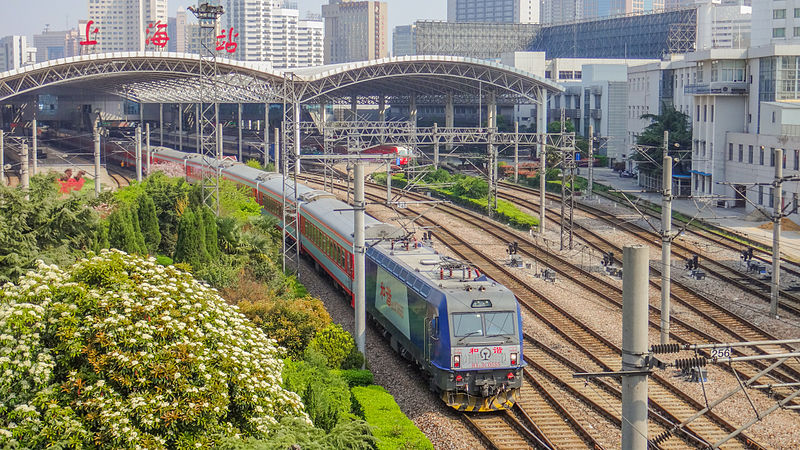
56,44
355,31
776,23
272,31
15,53
502,11
404,40
559,11
123,24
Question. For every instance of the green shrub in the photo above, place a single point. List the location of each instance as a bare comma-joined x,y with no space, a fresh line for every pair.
291,322
390,426
96,358
191,245
210,227
123,233
335,343
163,260
325,394
357,377
148,223
292,433
254,163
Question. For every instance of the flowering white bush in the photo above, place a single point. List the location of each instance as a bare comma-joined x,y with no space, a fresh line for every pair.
120,352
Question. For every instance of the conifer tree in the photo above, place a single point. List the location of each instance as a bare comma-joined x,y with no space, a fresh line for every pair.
121,232
138,238
148,222
212,241
191,245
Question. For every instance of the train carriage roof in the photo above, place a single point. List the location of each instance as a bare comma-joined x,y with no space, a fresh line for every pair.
338,215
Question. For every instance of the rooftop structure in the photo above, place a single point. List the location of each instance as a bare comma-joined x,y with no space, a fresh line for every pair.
56,44
15,53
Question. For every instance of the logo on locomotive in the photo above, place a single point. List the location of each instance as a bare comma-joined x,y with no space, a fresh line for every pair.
391,300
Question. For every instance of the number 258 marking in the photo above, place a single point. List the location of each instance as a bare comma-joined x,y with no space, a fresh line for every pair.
719,353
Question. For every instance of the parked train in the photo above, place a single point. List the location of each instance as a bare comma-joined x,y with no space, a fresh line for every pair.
463,329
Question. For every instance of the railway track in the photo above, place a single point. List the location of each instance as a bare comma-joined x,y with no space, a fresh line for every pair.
753,285
120,179
725,325
669,404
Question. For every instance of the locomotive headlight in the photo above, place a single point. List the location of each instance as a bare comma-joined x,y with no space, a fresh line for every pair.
513,359
456,361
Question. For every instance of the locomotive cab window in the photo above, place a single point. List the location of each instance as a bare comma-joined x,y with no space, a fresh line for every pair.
499,323
467,325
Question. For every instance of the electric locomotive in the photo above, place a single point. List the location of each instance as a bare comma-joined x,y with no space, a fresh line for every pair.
463,329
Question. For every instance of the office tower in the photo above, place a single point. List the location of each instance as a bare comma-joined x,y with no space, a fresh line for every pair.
501,11
403,40
15,53
355,30
122,25
56,44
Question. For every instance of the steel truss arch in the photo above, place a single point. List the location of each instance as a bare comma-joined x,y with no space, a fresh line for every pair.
144,77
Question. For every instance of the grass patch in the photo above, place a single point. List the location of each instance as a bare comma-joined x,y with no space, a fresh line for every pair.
389,425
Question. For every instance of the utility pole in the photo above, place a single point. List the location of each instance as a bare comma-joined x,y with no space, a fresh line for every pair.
97,186
24,179
635,268
591,160
2,158
666,244
516,151
388,183
435,138
147,148
776,233
35,139
359,252
277,150
139,153
542,181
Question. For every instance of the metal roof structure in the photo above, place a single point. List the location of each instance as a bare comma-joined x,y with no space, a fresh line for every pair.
157,77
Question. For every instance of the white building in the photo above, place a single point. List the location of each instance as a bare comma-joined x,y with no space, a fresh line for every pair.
272,33
723,26
503,11
776,22
122,24
15,53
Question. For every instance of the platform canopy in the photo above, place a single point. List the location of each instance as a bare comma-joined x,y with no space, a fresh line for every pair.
156,77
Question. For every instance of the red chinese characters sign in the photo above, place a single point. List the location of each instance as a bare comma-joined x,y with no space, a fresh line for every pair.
159,37
89,31
230,45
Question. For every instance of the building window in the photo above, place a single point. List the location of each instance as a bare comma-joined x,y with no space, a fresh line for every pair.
761,156
750,154
564,74
773,116
797,160
772,158
741,152
771,197
730,152
778,13
796,31
698,113
760,195
778,32
712,113
705,113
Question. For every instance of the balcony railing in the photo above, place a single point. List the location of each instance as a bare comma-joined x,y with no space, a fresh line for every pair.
717,88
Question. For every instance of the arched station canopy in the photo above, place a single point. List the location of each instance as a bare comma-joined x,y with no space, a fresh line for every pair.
422,76
147,77
156,77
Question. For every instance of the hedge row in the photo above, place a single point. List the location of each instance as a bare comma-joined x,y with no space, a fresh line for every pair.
389,425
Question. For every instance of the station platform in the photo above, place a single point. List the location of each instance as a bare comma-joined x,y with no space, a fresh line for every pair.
734,219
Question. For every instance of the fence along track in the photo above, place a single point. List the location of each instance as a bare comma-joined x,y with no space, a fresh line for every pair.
728,326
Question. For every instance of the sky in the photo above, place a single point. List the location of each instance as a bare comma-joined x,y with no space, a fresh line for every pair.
28,17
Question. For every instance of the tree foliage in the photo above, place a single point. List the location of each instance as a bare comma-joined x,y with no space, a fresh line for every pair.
191,246
148,223
555,127
119,352
680,137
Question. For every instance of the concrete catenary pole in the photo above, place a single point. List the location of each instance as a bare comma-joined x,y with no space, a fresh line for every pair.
2,159
160,124
180,126
542,181
197,128
97,183
776,233
516,151
277,150
24,178
635,266
147,148
435,138
139,153
359,278
239,129
666,247
590,187
388,182
35,138
266,134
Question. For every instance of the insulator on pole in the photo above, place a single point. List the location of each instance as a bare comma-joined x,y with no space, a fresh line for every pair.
663,437
689,363
659,349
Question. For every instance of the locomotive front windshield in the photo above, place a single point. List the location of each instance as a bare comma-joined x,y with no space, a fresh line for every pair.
483,324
